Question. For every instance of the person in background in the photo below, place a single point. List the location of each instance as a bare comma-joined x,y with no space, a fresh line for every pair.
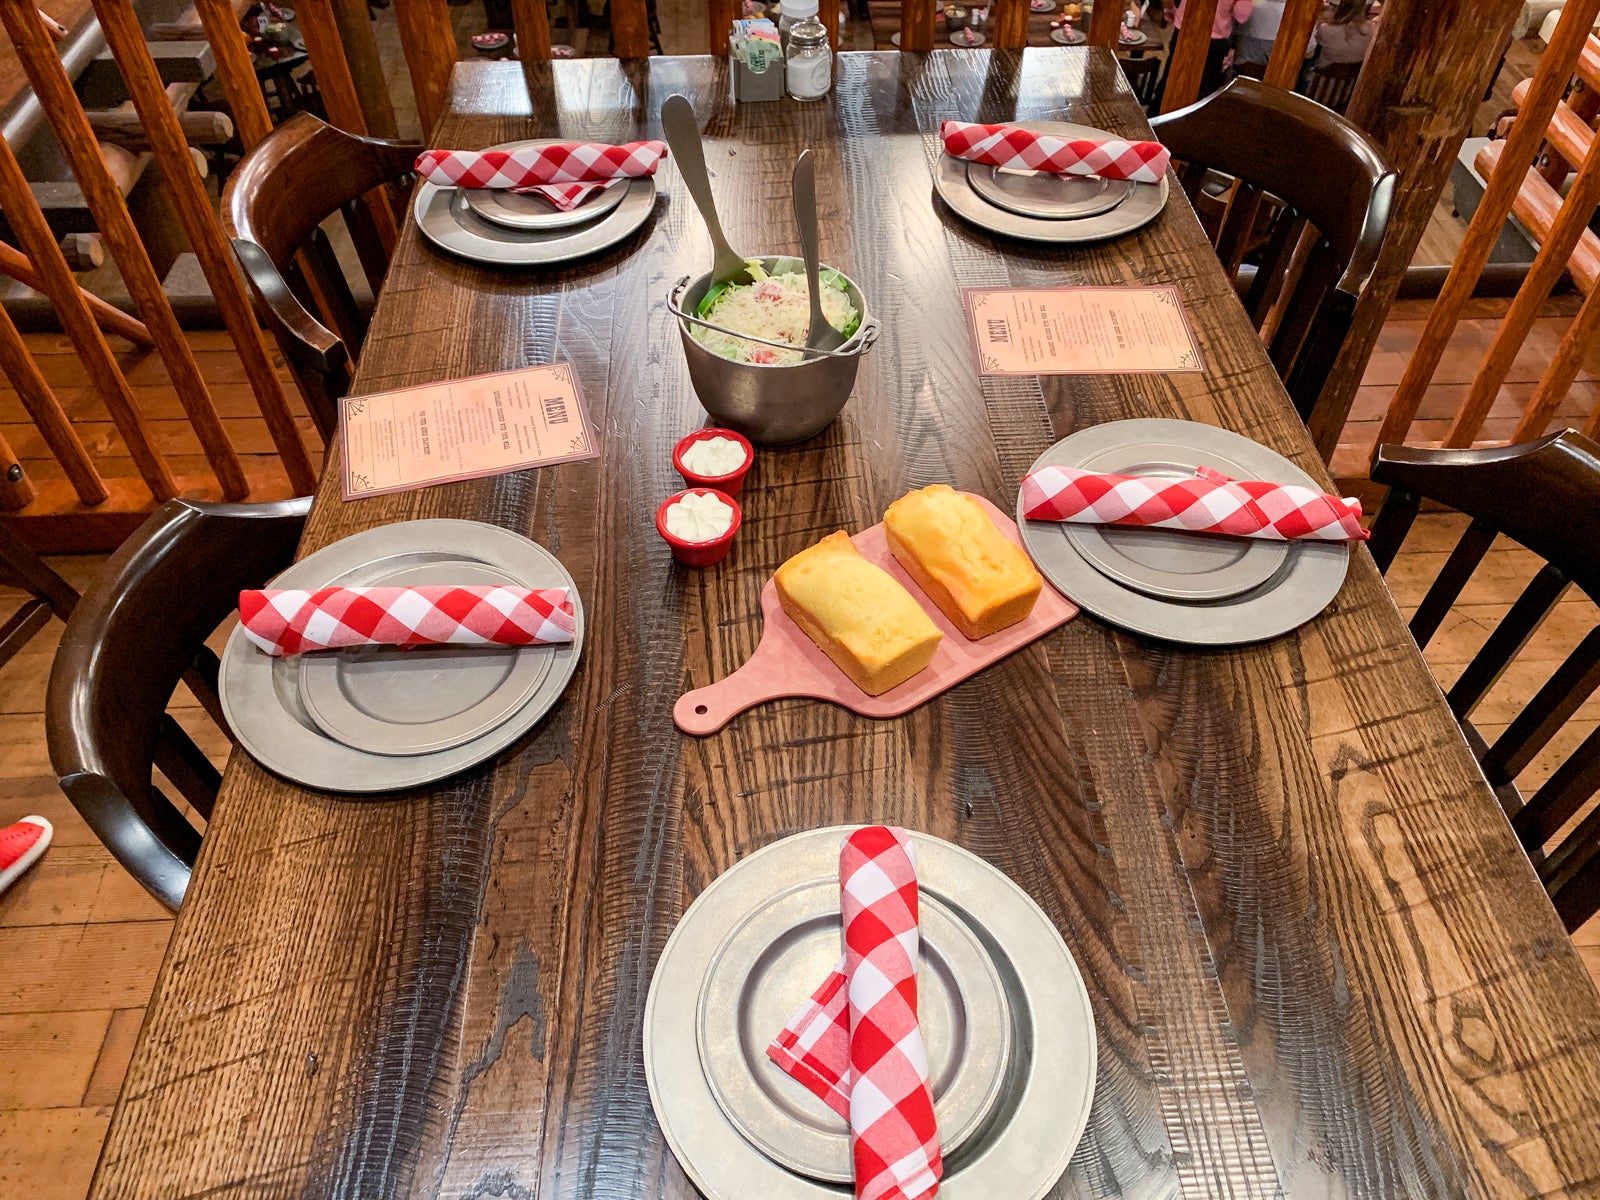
1229,14
1345,35
1253,39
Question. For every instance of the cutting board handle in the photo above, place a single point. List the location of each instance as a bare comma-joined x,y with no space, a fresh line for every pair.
706,710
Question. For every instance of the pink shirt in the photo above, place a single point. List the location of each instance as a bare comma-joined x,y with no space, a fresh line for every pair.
1229,12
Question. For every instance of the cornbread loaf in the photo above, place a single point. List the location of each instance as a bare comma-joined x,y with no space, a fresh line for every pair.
863,620
948,544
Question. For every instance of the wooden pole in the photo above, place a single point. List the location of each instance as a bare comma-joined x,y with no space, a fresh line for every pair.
113,320
916,25
1105,21
1570,222
55,281
47,414
528,18
1187,66
1011,24
429,41
1428,67
236,70
1289,48
15,489
126,40
827,13
1562,369
326,51
1549,84
105,202
354,20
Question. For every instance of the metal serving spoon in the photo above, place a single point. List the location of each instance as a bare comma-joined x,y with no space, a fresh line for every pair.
683,136
822,335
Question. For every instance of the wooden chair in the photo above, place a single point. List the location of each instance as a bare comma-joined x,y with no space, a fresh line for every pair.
273,207
138,631
48,594
1332,84
1336,182
1143,76
1544,495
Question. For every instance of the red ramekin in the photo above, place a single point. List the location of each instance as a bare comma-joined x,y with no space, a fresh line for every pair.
699,554
728,484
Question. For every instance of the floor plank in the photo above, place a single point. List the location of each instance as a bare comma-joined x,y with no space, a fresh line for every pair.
50,1153
78,968
48,1058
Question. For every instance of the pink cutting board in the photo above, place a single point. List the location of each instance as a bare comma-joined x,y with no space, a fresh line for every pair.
788,663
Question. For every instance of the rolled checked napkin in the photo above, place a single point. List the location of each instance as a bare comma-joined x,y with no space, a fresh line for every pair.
856,1042
1210,502
292,621
1009,147
564,173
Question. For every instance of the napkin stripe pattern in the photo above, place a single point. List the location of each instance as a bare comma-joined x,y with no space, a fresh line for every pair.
856,1042
1210,502
1006,146
291,620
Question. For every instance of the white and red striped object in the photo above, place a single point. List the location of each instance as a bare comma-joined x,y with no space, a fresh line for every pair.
1210,502
564,173
856,1042
291,621
1017,149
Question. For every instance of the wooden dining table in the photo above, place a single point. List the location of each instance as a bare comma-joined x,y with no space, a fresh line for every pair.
1318,961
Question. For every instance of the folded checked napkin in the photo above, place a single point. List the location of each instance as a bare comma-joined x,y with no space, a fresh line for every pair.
856,1042
1210,502
564,173
1017,149
291,621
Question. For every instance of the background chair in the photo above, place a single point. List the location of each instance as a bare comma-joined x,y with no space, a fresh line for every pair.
1332,84
138,631
48,594
273,207
1317,173
1143,75
1544,495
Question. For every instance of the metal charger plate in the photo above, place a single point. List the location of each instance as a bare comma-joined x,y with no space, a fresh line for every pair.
449,223
786,948
1310,577
1035,1123
421,699
1046,195
261,694
1068,37
1141,206
516,210
1169,562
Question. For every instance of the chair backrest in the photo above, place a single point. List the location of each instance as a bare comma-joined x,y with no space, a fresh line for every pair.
133,635
1142,75
273,208
1325,175
1544,495
1333,84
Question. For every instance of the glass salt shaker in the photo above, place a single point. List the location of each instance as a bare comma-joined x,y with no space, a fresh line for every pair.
808,60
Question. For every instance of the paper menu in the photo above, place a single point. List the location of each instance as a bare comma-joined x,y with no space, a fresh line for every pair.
1081,331
462,429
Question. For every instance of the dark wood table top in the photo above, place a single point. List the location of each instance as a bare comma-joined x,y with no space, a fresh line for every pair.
1318,961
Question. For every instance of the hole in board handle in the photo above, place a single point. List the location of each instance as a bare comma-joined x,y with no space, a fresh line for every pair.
700,710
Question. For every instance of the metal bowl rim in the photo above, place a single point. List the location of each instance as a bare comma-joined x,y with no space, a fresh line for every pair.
855,344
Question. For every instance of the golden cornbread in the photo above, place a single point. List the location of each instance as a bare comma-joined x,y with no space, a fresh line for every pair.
856,614
977,576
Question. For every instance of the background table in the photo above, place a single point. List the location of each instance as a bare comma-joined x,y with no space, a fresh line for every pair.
1319,963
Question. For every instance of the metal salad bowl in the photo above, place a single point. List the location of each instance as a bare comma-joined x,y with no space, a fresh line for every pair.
772,405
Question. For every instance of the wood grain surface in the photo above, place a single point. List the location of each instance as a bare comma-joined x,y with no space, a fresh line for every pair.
1318,961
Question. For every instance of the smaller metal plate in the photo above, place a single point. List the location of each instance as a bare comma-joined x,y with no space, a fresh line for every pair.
516,210
393,700
1170,562
775,958
1046,195
449,223
1135,37
1068,37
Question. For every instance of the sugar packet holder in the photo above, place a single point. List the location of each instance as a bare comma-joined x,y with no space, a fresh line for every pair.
757,57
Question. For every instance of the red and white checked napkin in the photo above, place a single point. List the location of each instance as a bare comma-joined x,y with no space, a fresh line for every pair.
856,1042
291,621
1017,149
564,173
1210,502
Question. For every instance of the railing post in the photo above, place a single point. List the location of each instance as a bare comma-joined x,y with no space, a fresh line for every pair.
533,29
234,67
916,25
48,415
429,42
1186,66
1289,48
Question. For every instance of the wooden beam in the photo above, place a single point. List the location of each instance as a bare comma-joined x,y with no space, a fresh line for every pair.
122,127
113,320
828,14
354,19
1550,83
1428,67
528,18
1187,67
16,490
126,39
1104,22
236,70
429,42
101,85
1011,24
78,144
630,28
47,415
1289,48
916,24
